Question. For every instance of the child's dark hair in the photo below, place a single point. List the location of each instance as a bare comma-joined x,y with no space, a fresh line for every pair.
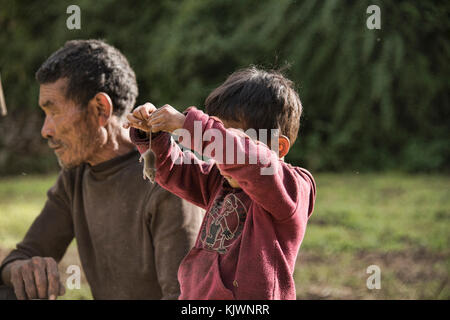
259,100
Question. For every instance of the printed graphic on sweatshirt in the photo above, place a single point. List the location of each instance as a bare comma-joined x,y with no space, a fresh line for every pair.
224,223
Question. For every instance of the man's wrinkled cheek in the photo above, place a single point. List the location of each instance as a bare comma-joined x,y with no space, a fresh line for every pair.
84,145
70,155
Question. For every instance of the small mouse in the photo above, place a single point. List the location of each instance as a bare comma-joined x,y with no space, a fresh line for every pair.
149,158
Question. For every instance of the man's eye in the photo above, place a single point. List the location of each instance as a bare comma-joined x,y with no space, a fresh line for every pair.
48,112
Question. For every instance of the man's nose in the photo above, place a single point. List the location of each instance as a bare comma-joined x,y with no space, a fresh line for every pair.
48,129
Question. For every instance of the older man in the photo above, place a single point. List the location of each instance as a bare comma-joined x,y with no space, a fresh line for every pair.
131,234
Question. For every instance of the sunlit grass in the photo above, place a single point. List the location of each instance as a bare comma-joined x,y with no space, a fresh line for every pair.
21,199
399,222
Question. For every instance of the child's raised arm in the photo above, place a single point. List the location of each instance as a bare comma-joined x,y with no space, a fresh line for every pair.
275,185
179,172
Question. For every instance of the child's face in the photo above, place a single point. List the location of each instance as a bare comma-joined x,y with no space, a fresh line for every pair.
233,183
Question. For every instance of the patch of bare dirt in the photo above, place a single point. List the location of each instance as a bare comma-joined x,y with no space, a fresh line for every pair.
407,274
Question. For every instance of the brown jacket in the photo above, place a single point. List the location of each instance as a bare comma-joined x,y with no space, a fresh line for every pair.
131,234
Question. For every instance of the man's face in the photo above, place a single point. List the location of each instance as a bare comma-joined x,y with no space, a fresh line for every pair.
66,125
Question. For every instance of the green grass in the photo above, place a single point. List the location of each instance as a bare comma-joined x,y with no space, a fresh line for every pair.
21,199
399,222
380,212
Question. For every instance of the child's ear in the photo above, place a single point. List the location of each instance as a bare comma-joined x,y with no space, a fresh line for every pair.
102,107
283,146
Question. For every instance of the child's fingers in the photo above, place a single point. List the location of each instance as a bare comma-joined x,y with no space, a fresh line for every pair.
156,128
140,127
159,111
136,113
146,110
155,120
139,113
137,123
143,112
132,119
149,108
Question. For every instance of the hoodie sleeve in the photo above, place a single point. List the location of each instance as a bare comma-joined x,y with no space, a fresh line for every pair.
182,173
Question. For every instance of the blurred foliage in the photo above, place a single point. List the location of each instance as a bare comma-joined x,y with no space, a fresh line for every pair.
373,99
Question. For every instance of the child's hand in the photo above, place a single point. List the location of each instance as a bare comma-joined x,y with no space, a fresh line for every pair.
166,118
148,118
140,116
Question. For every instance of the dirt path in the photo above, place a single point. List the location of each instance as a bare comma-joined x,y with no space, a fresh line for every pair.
411,274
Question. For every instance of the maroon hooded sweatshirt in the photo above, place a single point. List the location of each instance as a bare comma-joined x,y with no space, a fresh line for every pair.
249,239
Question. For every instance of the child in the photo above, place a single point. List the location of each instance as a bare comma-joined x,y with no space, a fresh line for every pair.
255,217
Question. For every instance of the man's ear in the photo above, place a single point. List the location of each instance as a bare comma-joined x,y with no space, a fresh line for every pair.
102,107
283,146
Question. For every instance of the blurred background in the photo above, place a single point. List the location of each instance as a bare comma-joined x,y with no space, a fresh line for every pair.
374,132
